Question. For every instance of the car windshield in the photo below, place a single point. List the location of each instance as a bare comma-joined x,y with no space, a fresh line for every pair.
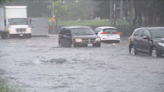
157,33
110,30
18,21
82,31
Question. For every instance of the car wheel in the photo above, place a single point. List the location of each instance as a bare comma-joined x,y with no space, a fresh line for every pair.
4,35
29,36
117,41
73,45
133,50
60,44
154,52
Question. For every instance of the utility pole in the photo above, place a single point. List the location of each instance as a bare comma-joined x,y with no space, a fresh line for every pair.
91,9
131,12
111,12
121,12
114,13
52,13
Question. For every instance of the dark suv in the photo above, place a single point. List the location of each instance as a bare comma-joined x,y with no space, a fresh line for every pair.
148,40
74,36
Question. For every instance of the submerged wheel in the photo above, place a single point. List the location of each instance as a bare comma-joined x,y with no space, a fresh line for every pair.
133,50
73,45
154,52
4,35
60,45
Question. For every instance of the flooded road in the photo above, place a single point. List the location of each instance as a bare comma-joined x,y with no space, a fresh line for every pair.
39,65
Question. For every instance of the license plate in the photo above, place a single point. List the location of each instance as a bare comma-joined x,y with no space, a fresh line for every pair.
21,34
89,44
109,35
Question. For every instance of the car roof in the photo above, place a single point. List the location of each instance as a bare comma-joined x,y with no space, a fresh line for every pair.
70,27
104,27
150,28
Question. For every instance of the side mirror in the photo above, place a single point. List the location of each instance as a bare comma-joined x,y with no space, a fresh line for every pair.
96,33
145,37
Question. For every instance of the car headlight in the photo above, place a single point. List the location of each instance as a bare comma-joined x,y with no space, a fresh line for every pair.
28,29
11,30
97,39
78,40
161,44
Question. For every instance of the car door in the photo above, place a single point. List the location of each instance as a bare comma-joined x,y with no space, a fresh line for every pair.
134,38
145,43
67,37
61,36
139,39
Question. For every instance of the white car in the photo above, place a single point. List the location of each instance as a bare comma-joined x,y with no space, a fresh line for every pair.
108,34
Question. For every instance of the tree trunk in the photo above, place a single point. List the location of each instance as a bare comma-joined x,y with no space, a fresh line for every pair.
140,18
136,12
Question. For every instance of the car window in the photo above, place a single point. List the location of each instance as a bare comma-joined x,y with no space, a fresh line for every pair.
136,33
140,33
109,30
97,30
146,33
157,33
63,31
82,31
67,31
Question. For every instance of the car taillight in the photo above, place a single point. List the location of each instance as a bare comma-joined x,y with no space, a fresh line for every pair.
104,33
129,40
117,33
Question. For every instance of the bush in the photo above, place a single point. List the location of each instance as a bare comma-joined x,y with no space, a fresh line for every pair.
5,87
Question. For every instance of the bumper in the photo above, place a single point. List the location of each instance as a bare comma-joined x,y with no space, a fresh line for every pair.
161,50
20,35
85,44
19,32
111,41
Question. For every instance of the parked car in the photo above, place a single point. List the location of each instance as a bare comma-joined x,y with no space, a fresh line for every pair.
108,34
74,36
148,40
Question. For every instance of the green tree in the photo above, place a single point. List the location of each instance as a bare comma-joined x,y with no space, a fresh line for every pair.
78,10
3,1
36,8
150,10
60,10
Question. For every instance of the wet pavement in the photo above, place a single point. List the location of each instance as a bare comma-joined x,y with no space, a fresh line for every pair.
39,65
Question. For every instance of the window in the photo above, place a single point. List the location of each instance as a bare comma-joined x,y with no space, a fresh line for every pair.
67,31
136,33
18,21
157,32
140,33
146,33
82,31
110,30
97,30
63,31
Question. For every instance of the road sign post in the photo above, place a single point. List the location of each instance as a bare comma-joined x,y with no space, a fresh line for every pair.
52,11
52,19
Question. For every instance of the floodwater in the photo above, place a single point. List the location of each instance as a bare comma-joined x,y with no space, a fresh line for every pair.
39,65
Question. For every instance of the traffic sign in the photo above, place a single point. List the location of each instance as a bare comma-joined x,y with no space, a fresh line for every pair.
52,19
